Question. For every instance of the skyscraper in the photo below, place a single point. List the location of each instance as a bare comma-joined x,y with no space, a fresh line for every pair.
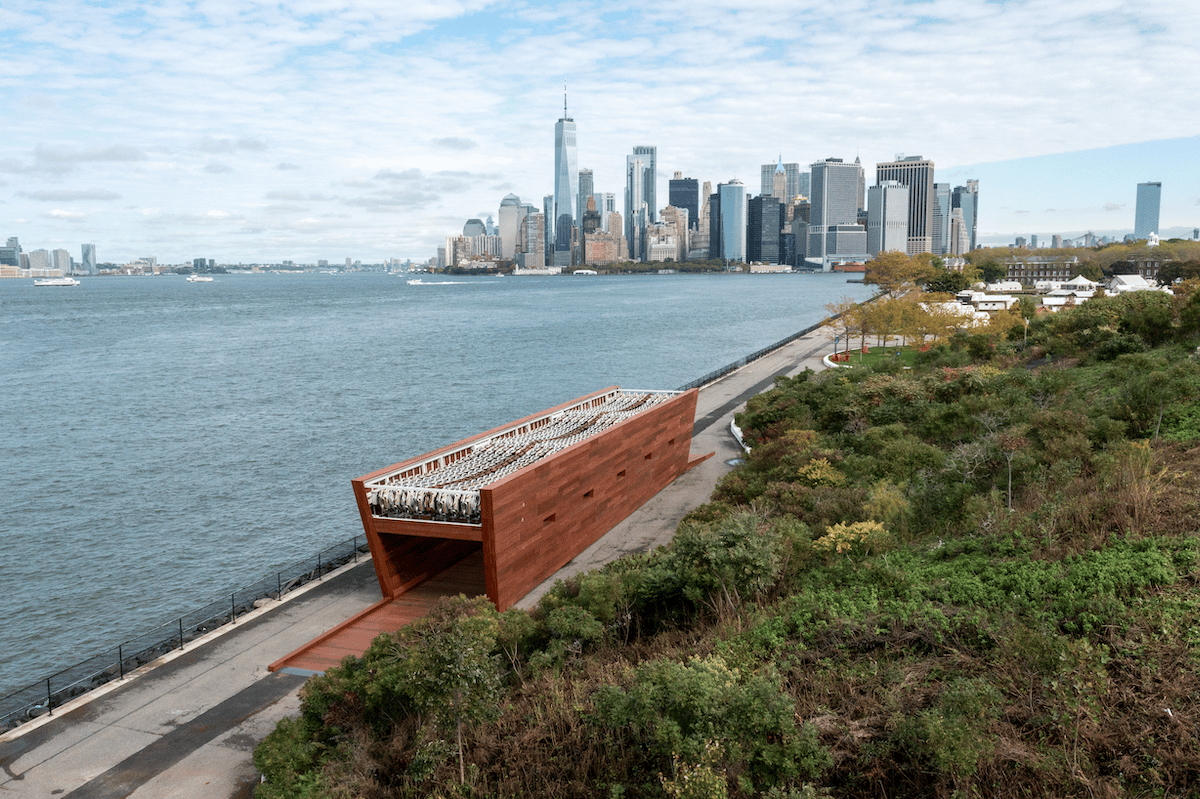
11,254
779,184
941,219
762,229
862,185
61,259
960,241
586,189
566,187
916,173
510,222
89,258
531,243
676,223
967,199
797,181
649,157
887,217
733,220
685,193
713,206
606,204
548,228
637,214
1145,220
834,210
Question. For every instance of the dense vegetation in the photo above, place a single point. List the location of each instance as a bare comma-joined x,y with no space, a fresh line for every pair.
972,577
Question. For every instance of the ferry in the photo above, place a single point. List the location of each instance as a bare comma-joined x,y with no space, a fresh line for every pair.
199,279
56,281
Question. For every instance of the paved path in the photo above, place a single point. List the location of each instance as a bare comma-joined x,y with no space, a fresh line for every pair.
186,725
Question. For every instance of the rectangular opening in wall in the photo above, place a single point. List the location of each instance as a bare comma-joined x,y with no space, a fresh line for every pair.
590,493
671,443
621,473
649,455
549,518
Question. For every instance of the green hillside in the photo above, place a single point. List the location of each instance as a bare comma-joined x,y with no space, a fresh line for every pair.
971,577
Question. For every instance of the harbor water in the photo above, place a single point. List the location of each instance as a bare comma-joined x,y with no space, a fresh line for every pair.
167,442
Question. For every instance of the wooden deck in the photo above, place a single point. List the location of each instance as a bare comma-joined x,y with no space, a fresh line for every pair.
353,636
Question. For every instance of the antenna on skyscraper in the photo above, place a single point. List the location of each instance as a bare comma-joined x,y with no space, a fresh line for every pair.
564,99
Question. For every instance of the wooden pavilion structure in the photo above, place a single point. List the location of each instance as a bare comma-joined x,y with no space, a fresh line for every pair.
500,512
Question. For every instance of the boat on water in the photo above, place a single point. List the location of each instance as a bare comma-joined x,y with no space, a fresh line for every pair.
56,281
199,279
584,272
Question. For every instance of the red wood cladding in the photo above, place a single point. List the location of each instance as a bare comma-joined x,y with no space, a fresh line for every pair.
537,519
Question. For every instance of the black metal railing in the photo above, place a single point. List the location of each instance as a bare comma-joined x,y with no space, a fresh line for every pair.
50,692
114,663
754,356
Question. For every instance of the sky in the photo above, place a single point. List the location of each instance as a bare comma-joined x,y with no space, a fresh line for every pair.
251,131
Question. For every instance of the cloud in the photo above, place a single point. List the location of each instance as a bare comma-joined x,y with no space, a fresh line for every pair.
455,143
70,155
62,159
69,216
209,144
297,196
151,104
189,221
389,201
408,174
69,195
1112,207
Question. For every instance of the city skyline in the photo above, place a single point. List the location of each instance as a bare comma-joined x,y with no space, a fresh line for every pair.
258,133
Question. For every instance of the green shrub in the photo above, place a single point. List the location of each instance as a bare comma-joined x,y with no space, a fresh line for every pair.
673,708
289,759
953,734
727,563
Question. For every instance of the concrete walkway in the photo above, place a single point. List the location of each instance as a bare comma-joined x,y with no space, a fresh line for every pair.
186,725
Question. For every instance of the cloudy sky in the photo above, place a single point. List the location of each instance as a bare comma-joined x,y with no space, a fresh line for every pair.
261,131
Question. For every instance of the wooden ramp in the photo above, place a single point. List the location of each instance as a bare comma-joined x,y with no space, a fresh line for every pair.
353,636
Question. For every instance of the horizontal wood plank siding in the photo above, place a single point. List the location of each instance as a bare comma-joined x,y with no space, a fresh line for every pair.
538,519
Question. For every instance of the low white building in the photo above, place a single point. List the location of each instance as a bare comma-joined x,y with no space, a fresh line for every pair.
995,302
969,315
1120,284
1080,283
1052,303
1005,285
982,301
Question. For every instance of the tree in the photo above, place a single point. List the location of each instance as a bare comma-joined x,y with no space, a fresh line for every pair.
887,318
896,273
449,672
947,282
1011,443
845,318
1151,387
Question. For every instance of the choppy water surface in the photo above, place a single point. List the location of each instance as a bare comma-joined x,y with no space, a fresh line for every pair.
165,442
